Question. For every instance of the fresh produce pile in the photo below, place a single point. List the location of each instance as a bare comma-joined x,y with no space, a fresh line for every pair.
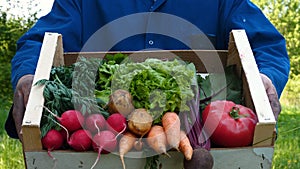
117,105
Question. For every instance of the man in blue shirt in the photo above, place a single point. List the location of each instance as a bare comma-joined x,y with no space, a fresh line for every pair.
79,21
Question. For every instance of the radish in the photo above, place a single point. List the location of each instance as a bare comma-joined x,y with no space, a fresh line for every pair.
71,119
64,134
103,143
53,140
93,122
81,140
116,123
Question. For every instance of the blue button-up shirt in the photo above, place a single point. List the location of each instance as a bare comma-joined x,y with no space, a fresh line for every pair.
123,25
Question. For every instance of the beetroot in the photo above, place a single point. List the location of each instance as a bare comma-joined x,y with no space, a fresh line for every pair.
81,140
72,120
95,122
103,143
116,123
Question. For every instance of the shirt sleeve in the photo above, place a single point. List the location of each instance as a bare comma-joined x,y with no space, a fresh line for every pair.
268,45
64,18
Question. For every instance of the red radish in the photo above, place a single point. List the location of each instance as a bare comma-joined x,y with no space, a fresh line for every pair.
116,123
81,140
103,143
65,136
72,120
93,122
53,140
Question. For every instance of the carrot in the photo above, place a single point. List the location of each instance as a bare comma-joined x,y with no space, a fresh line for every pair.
138,145
171,124
125,145
185,146
157,140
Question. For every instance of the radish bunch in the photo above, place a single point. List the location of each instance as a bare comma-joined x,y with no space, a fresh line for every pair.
83,133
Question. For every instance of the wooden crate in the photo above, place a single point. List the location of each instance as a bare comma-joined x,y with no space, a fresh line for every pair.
239,53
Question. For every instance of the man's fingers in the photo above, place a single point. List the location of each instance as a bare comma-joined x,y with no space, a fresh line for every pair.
18,112
275,105
272,95
26,86
20,101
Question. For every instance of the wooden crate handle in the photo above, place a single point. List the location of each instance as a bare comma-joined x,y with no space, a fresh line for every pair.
264,131
51,53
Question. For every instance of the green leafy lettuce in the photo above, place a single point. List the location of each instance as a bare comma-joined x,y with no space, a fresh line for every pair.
156,85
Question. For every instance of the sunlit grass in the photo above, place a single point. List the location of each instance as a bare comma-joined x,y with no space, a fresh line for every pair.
11,155
287,148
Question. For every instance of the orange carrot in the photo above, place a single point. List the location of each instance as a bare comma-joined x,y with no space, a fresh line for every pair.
157,140
185,146
125,145
171,124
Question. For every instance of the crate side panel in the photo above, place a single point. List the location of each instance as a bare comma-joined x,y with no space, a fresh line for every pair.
260,157
203,59
34,109
252,81
256,87
245,158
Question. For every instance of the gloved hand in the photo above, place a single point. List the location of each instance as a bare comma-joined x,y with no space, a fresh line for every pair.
20,100
272,95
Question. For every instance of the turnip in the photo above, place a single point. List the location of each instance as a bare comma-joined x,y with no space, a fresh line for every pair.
80,140
53,140
95,122
120,101
116,123
103,143
140,122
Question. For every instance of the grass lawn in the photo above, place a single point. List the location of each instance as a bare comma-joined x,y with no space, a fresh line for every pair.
287,146
286,156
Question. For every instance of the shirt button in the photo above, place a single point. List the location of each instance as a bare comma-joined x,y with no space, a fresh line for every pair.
150,42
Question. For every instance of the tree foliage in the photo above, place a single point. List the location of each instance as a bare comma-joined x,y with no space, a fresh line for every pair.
11,29
285,15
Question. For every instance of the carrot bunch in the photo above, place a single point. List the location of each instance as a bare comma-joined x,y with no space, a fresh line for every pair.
159,138
169,134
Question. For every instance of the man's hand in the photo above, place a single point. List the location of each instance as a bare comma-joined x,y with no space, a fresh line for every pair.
272,95
20,101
